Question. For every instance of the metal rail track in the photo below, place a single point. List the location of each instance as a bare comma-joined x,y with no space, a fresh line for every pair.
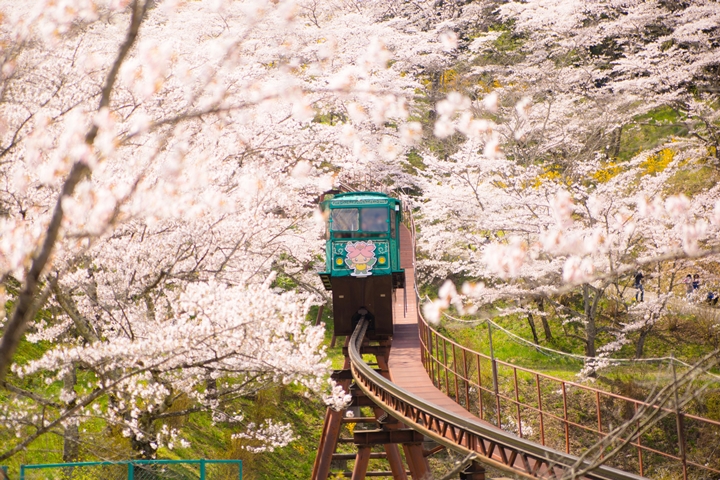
491,445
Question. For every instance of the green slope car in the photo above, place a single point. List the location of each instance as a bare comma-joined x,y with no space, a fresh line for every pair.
362,259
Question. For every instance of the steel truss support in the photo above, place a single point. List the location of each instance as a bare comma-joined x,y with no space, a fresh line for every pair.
330,433
391,434
475,471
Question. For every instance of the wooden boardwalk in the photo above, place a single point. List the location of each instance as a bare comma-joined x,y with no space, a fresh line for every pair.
406,368
405,363
456,428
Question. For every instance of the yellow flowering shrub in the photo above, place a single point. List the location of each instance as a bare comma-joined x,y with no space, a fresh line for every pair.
658,162
604,174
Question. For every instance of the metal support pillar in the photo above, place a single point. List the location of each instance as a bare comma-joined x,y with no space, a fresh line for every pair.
391,434
395,460
391,449
474,471
330,434
361,463
417,462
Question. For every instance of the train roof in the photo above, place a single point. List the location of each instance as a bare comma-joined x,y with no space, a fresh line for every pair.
359,198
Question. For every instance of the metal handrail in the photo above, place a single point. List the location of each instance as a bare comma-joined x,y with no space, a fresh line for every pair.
433,365
568,383
381,390
132,464
436,369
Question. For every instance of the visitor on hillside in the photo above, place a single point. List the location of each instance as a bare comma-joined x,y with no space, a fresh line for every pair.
688,281
696,282
712,298
640,294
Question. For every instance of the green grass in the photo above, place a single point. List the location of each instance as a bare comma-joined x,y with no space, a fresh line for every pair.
208,439
414,162
686,337
649,131
509,350
692,180
305,414
335,354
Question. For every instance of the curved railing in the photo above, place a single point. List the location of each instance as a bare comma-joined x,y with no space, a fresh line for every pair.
564,415
494,446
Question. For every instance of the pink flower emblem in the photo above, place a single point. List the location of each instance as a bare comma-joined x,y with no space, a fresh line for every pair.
360,248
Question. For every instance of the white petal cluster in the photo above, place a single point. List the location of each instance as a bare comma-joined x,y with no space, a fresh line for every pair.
265,437
338,399
226,122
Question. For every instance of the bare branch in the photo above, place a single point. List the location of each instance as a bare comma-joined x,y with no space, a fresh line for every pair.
24,307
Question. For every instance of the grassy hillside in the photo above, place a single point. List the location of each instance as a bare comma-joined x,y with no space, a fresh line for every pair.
210,440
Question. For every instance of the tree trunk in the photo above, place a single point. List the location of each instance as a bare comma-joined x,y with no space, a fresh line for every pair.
590,327
211,385
615,147
71,435
641,341
143,447
531,322
543,319
27,302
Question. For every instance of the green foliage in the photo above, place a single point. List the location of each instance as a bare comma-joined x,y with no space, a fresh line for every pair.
686,336
510,350
335,354
287,405
414,162
712,404
208,439
506,49
508,41
692,180
607,48
649,131
27,352
330,118
571,57
284,282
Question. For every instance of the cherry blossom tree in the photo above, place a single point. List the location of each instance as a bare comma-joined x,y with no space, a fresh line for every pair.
523,231
533,194
620,59
161,165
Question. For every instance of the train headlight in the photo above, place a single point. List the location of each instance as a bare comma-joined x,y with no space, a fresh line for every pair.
339,261
382,260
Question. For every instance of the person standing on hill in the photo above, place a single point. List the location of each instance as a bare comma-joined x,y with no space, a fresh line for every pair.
640,294
712,298
688,281
696,282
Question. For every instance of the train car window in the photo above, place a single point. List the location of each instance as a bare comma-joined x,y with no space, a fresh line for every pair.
359,235
345,219
392,223
374,219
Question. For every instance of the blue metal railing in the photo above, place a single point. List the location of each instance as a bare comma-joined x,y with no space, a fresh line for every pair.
132,466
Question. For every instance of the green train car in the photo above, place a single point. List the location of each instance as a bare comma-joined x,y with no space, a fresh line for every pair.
362,259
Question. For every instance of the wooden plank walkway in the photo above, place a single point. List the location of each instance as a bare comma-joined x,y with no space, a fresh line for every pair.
406,368
405,364
407,372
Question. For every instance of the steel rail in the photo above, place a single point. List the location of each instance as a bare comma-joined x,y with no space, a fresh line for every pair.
493,446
